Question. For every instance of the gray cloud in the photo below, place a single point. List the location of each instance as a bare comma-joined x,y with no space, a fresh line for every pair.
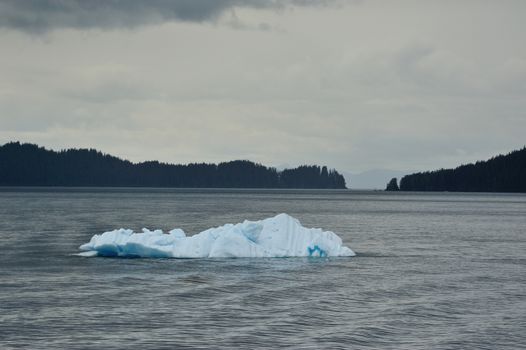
38,16
375,86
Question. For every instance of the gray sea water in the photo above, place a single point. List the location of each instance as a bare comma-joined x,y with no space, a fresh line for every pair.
432,271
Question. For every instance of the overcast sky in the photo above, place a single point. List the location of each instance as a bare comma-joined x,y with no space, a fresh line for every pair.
356,85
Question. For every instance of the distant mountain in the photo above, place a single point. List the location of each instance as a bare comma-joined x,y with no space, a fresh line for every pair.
372,179
503,173
31,165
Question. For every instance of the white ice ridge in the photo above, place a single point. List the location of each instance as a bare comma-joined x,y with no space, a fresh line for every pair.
278,236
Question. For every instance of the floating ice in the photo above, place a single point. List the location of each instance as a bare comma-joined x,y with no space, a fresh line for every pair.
279,236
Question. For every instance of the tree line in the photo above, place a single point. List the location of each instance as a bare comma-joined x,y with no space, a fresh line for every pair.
503,173
31,165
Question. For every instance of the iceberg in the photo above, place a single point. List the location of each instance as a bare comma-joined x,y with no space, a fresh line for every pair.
278,236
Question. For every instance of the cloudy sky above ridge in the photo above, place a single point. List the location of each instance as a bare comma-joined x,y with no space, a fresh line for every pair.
356,85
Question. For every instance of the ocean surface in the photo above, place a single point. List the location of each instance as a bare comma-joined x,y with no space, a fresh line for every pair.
432,271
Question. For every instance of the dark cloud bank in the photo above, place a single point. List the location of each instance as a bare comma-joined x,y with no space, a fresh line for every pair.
37,16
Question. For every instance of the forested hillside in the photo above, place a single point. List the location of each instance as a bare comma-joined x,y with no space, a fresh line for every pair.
504,173
31,165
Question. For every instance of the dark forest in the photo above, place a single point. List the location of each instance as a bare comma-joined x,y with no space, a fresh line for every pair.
503,173
31,165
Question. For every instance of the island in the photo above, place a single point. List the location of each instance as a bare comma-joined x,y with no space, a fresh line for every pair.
24,164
